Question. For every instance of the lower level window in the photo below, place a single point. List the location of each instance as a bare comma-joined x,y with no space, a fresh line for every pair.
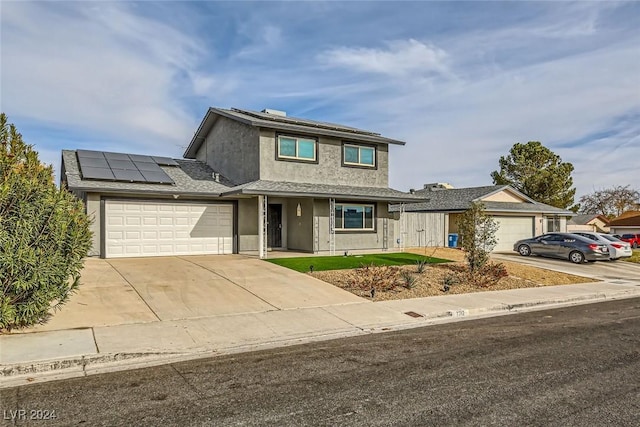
553,224
354,217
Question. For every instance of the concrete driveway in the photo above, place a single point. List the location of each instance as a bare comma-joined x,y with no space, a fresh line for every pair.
602,270
140,290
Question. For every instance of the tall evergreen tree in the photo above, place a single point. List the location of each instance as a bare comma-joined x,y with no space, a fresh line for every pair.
539,173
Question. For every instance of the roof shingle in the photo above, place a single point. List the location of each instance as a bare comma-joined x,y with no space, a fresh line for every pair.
191,178
460,199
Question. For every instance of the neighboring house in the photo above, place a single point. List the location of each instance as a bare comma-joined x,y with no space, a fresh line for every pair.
249,182
588,222
628,222
429,223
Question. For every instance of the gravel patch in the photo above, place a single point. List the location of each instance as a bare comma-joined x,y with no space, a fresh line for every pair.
430,281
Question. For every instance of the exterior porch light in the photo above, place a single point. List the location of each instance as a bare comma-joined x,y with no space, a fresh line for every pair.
299,210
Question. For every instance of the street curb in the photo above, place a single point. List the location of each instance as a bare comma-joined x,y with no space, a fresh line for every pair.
49,370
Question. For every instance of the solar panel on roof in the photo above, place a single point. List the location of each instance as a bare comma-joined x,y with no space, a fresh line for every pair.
143,159
121,164
90,154
97,173
128,175
164,161
142,166
93,162
123,167
158,177
117,156
305,122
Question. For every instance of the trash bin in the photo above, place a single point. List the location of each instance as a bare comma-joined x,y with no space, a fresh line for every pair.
453,240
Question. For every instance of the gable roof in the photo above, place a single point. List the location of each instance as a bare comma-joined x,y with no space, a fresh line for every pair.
584,219
460,199
191,177
627,219
290,124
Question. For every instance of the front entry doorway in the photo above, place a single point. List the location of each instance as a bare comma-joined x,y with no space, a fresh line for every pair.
274,220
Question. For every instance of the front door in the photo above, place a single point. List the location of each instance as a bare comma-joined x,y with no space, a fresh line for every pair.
274,219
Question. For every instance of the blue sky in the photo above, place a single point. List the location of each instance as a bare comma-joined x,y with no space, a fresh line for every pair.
461,82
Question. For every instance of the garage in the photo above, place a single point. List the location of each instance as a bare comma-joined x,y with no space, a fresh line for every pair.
135,228
511,229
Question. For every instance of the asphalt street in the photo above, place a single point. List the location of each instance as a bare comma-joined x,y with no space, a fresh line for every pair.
576,366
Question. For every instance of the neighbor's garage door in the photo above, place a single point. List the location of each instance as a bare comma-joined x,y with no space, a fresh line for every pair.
511,229
151,228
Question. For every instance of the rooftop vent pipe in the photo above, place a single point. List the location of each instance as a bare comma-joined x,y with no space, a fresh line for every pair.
275,112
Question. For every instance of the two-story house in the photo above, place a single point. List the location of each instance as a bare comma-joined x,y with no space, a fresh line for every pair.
249,182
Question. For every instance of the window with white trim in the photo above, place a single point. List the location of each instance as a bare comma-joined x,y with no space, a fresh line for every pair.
296,148
553,224
358,155
354,217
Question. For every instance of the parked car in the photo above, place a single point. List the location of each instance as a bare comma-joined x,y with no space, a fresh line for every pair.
632,239
617,248
576,249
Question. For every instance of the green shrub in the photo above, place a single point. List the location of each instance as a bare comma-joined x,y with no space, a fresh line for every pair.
44,235
478,236
450,280
408,279
421,266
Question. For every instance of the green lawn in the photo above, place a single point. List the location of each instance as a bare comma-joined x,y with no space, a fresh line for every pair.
635,257
321,263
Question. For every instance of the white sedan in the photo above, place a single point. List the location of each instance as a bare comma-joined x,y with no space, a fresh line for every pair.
617,248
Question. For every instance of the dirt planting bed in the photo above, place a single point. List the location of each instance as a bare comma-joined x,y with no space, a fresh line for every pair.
431,281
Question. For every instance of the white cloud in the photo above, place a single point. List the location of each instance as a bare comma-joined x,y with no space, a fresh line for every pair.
401,57
97,67
460,96
465,127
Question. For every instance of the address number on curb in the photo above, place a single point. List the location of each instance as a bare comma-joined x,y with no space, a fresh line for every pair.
459,313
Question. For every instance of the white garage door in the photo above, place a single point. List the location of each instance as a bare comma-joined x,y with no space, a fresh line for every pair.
512,229
150,228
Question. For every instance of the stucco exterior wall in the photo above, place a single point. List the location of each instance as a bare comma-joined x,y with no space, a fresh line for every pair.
231,148
248,224
92,202
357,240
328,170
571,228
503,196
596,225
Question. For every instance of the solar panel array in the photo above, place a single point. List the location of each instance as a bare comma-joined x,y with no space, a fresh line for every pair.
121,167
304,122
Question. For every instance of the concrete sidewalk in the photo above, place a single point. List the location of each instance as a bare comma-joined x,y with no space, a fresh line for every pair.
55,354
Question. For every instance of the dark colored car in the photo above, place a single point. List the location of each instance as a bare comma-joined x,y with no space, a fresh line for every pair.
632,239
576,249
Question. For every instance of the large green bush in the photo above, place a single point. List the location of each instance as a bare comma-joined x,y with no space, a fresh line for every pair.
44,235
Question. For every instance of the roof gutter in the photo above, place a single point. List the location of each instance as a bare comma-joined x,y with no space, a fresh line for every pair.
149,192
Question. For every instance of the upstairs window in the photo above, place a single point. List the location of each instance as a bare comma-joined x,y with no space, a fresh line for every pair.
354,217
296,148
359,155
